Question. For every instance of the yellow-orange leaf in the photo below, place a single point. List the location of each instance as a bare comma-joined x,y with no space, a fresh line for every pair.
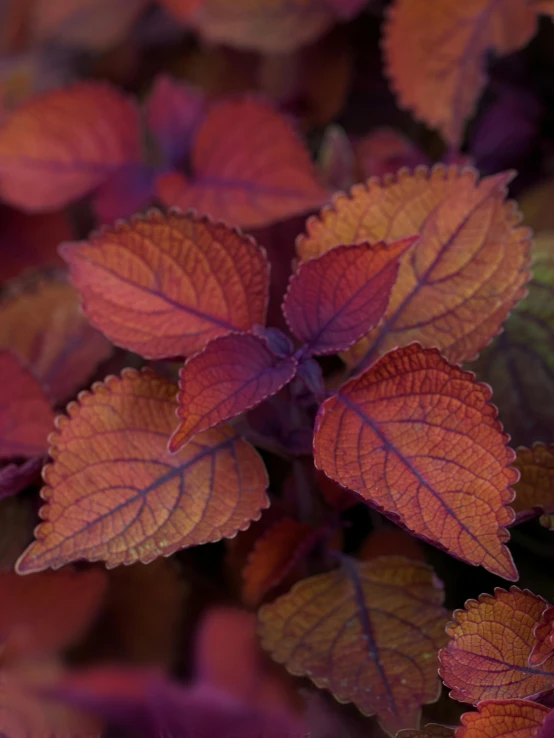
503,719
465,273
436,55
368,632
116,494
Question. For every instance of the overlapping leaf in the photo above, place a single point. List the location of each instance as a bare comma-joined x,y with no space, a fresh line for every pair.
231,375
249,167
368,632
466,272
503,719
417,438
41,322
60,145
164,285
334,300
436,63
519,365
535,489
487,656
26,417
543,648
49,611
274,557
116,494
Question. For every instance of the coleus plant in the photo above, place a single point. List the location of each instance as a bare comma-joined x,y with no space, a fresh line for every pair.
405,278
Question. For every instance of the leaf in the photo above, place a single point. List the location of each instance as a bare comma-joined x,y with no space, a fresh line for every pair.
487,656
249,167
417,437
50,611
173,113
543,648
14,478
115,493
505,718
274,556
535,489
431,730
464,275
436,64
62,144
163,285
230,376
368,632
270,26
334,300
385,151
41,321
26,418
519,365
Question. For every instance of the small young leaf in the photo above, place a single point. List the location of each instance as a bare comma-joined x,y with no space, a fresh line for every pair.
368,632
417,437
503,719
535,489
26,417
116,494
50,611
274,556
334,300
16,477
163,285
230,376
436,62
173,112
61,145
487,656
41,322
544,639
249,168
466,272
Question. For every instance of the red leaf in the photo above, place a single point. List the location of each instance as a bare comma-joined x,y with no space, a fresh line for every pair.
274,556
417,437
543,648
60,145
436,62
26,417
231,375
115,493
368,632
47,612
249,168
334,300
173,113
165,285
41,321
16,477
487,656
503,719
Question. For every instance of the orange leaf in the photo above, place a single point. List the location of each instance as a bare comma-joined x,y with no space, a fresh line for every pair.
116,494
249,167
272,26
535,489
503,719
26,417
164,285
230,376
368,632
487,656
435,59
41,321
459,282
47,612
544,639
417,437
60,145
274,556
